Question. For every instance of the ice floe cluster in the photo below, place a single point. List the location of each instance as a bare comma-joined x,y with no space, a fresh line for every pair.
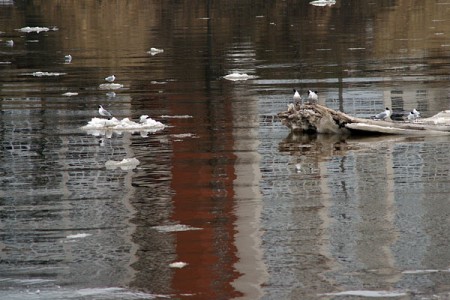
99,126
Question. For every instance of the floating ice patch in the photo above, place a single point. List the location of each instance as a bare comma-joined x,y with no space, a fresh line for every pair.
115,293
110,86
100,126
154,51
70,94
238,76
323,2
42,74
176,117
183,135
35,29
178,264
125,164
175,228
423,271
78,236
385,294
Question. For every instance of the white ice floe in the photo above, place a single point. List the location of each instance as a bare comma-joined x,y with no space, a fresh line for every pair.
154,51
175,228
384,294
424,271
101,126
238,76
70,94
183,135
176,116
78,236
323,2
178,264
125,164
35,29
42,74
110,86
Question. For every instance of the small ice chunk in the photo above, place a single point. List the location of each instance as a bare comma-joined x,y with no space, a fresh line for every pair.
178,264
176,117
42,74
175,228
384,294
78,236
154,51
70,94
29,29
323,2
110,86
124,164
238,76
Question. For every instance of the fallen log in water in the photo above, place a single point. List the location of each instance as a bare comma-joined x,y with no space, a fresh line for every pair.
315,118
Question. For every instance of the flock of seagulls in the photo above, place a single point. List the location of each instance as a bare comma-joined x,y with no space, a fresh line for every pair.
387,113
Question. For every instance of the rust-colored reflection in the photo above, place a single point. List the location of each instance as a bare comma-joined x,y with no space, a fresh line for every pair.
202,180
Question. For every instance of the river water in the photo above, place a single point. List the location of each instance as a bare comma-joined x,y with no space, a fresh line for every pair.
225,203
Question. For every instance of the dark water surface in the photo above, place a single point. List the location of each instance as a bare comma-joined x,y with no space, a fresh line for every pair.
254,211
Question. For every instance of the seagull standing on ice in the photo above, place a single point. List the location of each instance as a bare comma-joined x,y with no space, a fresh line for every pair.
312,96
143,118
297,97
110,78
416,113
103,112
383,115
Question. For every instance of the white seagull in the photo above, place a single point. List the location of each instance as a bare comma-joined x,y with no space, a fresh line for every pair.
416,113
411,116
103,112
68,58
143,118
312,95
383,115
297,96
110,78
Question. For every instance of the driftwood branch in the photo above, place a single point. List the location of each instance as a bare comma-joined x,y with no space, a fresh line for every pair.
315,118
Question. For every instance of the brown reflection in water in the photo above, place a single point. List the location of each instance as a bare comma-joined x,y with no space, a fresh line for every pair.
202,179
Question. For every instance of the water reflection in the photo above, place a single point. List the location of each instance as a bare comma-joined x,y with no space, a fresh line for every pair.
253,213
372,205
